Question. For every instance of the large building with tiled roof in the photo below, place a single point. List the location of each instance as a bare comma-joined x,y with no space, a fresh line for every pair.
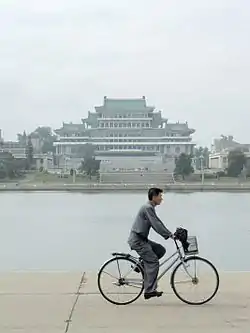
124,128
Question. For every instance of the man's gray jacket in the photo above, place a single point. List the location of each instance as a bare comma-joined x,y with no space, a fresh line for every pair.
146,219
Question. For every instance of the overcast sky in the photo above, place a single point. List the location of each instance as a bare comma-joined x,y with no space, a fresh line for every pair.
190,58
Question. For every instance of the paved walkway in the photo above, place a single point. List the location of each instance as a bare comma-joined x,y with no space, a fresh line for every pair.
70,302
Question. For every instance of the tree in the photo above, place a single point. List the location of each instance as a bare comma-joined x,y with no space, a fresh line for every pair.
44,134
29,154
3,167
201,157
47,137
89,165
236,162
43,131
9,166
183,165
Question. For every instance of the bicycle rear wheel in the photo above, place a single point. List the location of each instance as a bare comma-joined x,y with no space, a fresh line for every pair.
118,282
195,277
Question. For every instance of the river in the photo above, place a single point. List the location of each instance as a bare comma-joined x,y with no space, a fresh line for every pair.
75,231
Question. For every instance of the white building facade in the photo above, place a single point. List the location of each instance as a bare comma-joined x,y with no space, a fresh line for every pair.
126,129
218,158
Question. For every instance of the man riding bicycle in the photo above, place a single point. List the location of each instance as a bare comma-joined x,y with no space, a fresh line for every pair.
150,252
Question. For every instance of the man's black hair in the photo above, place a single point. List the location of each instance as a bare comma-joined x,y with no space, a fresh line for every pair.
154,192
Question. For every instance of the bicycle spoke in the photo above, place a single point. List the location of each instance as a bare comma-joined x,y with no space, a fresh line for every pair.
195,269
180,282
131,285
125,275
203,284
126,288
111,275
118,268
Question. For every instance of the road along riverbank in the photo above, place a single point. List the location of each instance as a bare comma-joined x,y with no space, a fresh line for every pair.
70,302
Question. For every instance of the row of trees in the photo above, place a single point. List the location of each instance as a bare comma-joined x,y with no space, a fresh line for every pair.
184,162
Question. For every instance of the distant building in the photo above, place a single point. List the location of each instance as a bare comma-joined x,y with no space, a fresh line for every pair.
13,147
227,143
218,159
18,150
127,134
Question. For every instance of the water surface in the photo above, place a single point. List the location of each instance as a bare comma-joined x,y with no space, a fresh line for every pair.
74,231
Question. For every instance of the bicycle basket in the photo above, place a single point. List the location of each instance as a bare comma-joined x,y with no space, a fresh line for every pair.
193,245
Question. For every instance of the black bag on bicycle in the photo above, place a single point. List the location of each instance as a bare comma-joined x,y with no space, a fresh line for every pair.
182,234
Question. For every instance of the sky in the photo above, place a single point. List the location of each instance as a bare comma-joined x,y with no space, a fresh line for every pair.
190,58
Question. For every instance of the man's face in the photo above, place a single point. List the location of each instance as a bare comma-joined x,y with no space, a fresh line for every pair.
158,199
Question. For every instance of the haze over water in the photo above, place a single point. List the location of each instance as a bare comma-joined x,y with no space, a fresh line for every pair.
75,231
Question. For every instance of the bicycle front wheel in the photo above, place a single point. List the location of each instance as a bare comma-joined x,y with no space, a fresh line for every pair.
120,280
195,281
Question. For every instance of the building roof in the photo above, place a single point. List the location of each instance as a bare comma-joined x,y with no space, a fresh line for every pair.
134,104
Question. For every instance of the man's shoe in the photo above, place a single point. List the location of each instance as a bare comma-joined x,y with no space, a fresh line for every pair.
153,294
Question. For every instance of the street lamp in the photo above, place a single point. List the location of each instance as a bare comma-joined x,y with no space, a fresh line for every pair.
202,168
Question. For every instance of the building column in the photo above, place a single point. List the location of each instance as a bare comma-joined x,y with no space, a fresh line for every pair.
68,150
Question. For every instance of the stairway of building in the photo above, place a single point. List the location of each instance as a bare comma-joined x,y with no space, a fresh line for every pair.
136,178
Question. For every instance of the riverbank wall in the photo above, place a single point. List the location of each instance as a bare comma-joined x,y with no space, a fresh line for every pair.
99,187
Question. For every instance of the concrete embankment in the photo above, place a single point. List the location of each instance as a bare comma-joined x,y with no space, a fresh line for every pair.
99,187
70,302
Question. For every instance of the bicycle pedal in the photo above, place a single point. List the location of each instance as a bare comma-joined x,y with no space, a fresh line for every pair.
136,269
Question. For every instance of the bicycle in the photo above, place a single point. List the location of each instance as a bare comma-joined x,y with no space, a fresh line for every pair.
183,260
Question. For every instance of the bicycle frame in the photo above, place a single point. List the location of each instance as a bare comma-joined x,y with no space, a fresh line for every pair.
180,257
